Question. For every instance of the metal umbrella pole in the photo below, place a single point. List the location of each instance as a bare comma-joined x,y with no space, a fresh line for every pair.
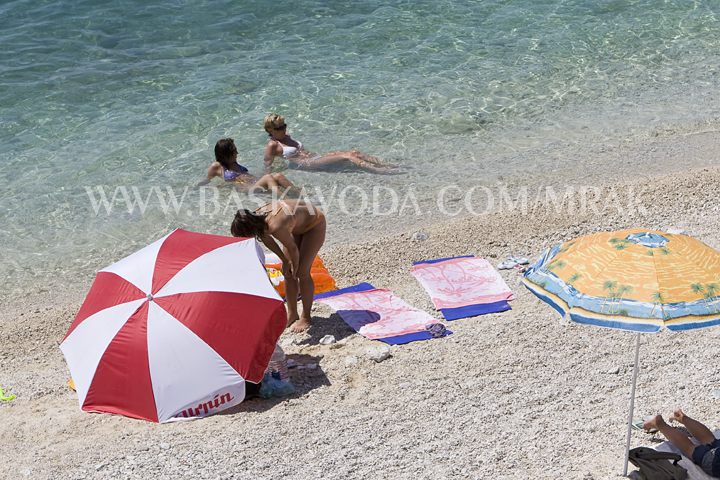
632,403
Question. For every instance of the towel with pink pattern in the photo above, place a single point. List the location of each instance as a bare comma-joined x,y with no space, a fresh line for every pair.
377,314
463,286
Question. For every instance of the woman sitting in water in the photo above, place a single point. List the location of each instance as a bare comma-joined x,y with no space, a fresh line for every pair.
281,144
226,166
299,226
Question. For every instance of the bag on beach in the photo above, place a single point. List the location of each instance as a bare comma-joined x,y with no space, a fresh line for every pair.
656,465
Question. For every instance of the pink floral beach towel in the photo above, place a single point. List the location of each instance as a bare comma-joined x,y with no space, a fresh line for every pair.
463,286
377,314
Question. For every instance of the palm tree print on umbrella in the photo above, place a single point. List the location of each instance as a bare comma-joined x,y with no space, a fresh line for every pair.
566,246
697,287
659,300
616,296
556,264
619,243
709,292
574,278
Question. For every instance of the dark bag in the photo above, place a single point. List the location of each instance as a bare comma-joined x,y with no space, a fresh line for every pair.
656,465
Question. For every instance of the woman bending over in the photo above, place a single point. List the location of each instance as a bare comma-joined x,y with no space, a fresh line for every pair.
299,226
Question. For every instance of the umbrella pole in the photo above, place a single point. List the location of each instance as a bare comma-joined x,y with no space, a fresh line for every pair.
632,403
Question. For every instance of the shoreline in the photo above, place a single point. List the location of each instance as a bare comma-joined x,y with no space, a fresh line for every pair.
650,157
507,394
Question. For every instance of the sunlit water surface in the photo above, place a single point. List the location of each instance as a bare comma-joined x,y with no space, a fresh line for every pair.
125,94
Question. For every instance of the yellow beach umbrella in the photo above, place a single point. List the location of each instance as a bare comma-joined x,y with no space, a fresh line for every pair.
638,280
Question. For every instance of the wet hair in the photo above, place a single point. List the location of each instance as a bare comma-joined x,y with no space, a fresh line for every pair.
224,151
248,224
273,121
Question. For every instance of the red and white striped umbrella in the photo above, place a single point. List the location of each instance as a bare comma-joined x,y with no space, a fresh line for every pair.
174,330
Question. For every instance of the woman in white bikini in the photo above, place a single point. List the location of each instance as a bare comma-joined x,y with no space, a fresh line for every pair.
280,144
299,226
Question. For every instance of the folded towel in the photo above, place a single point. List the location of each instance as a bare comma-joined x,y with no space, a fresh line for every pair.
377,314
463,286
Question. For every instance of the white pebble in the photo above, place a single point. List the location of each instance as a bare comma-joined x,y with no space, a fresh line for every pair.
378,353
419,236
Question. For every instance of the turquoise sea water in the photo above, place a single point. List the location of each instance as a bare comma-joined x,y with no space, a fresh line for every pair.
129,94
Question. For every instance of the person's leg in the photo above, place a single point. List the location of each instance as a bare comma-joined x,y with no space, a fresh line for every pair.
374,160
282,180
286,186
309,248
291,295
321,161
675,436
342,158
266,182
360,161
696,429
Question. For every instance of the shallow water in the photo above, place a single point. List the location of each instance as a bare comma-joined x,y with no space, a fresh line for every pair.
124,94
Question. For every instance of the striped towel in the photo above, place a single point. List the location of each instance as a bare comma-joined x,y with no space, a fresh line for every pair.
463,286
377,314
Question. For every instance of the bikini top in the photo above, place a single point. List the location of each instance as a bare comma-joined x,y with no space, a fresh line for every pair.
291,148
231,175
272,211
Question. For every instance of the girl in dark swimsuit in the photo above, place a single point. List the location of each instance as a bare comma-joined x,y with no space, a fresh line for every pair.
226,166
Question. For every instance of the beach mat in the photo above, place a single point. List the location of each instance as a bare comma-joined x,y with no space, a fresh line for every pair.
377,314
694,471
463,287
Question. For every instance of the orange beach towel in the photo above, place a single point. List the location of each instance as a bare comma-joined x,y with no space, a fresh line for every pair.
324,282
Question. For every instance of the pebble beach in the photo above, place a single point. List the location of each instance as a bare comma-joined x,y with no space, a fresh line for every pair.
514,395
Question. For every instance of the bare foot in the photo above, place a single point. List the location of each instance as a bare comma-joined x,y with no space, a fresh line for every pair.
383,170
653,423
301,325
678,416
374,160
292,319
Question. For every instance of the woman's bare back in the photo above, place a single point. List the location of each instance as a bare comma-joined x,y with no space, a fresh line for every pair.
302,215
